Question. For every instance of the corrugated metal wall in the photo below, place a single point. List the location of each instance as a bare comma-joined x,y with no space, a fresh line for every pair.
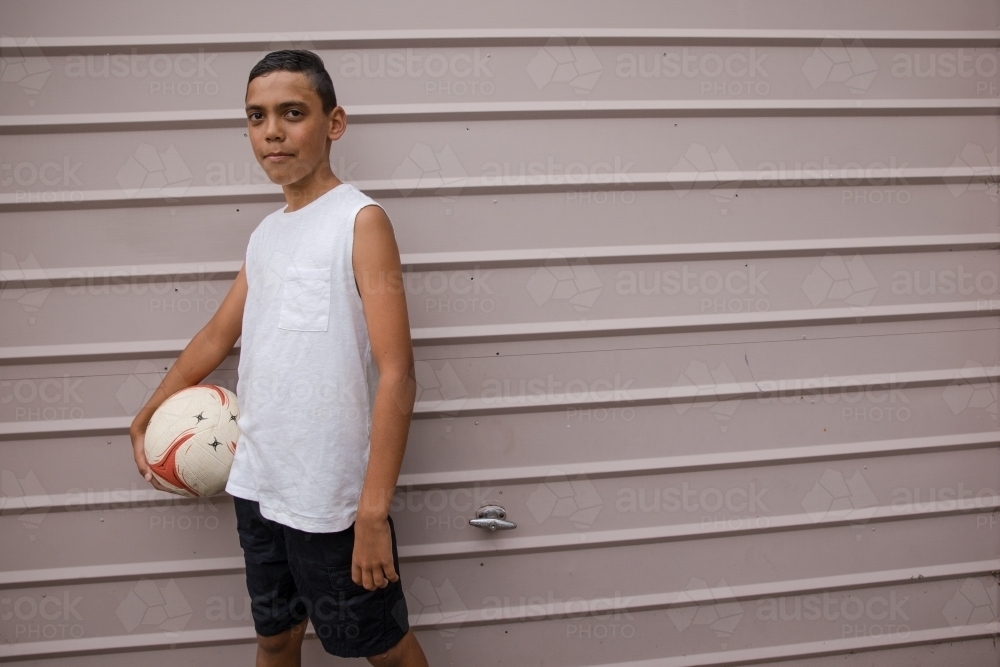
704,294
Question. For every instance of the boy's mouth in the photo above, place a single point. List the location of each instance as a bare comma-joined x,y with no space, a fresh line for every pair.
277,157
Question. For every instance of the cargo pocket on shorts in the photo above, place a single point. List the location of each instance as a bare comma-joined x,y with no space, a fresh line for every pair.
359,614
305,300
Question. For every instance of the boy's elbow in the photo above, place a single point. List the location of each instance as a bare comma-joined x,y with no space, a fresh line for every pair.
402,384
404,378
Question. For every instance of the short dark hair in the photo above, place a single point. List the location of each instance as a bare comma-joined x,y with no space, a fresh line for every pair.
306,62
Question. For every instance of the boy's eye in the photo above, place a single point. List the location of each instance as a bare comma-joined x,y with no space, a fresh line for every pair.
294,113
255,116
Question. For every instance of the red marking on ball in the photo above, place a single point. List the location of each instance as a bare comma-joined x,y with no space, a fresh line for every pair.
167,467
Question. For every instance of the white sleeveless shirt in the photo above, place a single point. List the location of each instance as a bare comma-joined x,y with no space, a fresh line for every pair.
307,379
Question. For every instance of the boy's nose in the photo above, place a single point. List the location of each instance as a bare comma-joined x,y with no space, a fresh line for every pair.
272,130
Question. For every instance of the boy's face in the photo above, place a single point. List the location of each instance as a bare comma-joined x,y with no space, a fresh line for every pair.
288,130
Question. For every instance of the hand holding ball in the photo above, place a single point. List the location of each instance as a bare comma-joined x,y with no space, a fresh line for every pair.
191,439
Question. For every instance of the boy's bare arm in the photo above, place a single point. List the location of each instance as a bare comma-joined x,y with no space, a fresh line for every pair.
201,356
378,274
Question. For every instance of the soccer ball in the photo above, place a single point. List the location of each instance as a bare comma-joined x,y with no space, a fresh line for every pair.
191,440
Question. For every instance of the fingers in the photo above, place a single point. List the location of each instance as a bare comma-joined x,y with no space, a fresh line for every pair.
371,578
138,442
151,478
156,484
379,576
372,566
142,464
368,579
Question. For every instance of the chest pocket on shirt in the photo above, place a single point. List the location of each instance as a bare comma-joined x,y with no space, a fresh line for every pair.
305,299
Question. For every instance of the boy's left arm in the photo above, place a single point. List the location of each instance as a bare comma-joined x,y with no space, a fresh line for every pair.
378,274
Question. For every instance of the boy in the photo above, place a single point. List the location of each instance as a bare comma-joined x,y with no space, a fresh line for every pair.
326,387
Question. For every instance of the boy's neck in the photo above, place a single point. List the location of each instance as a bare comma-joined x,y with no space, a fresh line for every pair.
308,190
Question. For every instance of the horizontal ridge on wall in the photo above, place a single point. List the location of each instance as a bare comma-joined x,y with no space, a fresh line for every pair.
692,531
466,111
111,499
488,333
484,185
701,462
493,544
557,610
60,648
497,37
531,257
773,388
818,649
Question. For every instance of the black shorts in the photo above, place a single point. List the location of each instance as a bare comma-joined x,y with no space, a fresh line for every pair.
293,575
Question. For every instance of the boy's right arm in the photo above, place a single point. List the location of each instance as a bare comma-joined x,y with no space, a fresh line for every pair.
201,356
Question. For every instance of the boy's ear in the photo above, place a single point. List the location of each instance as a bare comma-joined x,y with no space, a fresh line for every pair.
338,123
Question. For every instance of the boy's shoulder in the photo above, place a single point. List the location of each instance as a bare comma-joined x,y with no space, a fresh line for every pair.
352,201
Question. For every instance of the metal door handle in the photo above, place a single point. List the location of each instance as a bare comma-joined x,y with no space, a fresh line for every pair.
492,517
